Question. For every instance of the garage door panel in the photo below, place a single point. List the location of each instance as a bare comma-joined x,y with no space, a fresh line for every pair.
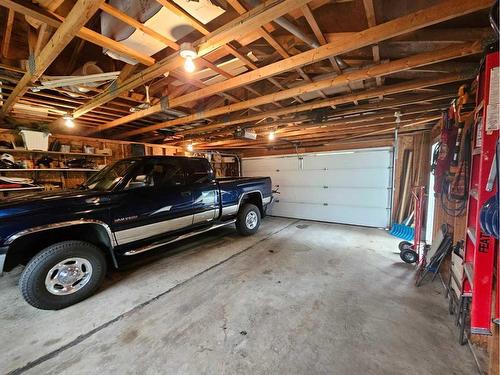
340,196
338,178
345,161
346,178
347,187
372,217
256,165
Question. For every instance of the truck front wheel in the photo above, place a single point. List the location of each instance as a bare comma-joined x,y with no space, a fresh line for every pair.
63,274
248,220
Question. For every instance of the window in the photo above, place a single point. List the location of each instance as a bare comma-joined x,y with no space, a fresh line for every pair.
197,172
110,176
158,174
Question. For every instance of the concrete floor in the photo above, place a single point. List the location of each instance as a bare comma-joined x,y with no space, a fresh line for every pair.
299,297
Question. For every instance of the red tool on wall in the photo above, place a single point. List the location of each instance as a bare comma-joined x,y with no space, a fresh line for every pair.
480,246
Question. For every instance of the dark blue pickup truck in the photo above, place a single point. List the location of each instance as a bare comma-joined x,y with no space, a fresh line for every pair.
68,239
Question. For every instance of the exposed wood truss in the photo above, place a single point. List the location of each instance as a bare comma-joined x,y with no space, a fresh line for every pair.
364,38
299,68
79,15
343,79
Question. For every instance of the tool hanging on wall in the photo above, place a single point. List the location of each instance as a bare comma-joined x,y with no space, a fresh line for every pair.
445,154
452,168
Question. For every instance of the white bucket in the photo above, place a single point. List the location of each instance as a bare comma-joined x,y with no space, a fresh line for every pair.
35,140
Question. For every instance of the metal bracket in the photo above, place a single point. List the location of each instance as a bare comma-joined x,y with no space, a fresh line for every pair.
32,63
113,86
164,103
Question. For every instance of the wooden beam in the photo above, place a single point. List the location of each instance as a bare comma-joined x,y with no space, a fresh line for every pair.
124,17
426,36
198,83
392,128
81,12
51,5
231,50
367,94
249,21
54,20
174,8
241,25
371,20
272,42
320,129
321,39
443,11
167,42
426,58
7,33
305,128
44,34
373,128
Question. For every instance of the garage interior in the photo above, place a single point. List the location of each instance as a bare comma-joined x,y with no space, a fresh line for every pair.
377,121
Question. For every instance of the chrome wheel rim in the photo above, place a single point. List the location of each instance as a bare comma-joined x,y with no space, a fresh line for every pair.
68,276
251,220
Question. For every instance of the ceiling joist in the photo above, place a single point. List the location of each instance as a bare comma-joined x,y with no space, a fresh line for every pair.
77,17
411,22
444,54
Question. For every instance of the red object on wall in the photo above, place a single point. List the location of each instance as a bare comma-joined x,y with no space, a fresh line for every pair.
480,248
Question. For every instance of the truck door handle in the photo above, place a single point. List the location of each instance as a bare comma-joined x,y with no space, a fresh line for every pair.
186,193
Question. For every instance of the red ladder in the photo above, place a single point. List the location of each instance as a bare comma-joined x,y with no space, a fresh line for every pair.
480,247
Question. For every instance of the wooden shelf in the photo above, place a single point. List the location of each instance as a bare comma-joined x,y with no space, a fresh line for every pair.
50,170
22,188
22,151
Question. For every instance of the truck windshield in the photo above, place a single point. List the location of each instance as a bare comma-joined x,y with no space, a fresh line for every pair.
110,176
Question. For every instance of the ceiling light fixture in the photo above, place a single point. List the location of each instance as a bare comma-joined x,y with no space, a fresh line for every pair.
190,147
68,121
188,52
272,135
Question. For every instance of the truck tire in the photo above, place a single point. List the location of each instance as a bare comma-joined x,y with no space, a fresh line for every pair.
63,274
248,219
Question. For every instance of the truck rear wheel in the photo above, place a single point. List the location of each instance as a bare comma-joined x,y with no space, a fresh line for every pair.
248,220
63,274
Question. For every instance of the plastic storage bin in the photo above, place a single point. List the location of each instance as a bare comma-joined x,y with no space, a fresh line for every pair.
35,140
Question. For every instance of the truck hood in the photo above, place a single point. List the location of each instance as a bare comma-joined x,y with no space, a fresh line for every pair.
56,202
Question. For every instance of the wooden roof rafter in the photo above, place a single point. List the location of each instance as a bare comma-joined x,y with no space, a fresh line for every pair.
451,52
344,99
309,16
7,33
81,12
405,24
371,20
216,39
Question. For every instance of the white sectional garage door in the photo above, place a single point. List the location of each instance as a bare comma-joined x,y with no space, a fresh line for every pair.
340,187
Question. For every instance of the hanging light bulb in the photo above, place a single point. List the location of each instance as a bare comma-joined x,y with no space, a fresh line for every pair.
189,65
190,147
188,52
271,135
68,121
